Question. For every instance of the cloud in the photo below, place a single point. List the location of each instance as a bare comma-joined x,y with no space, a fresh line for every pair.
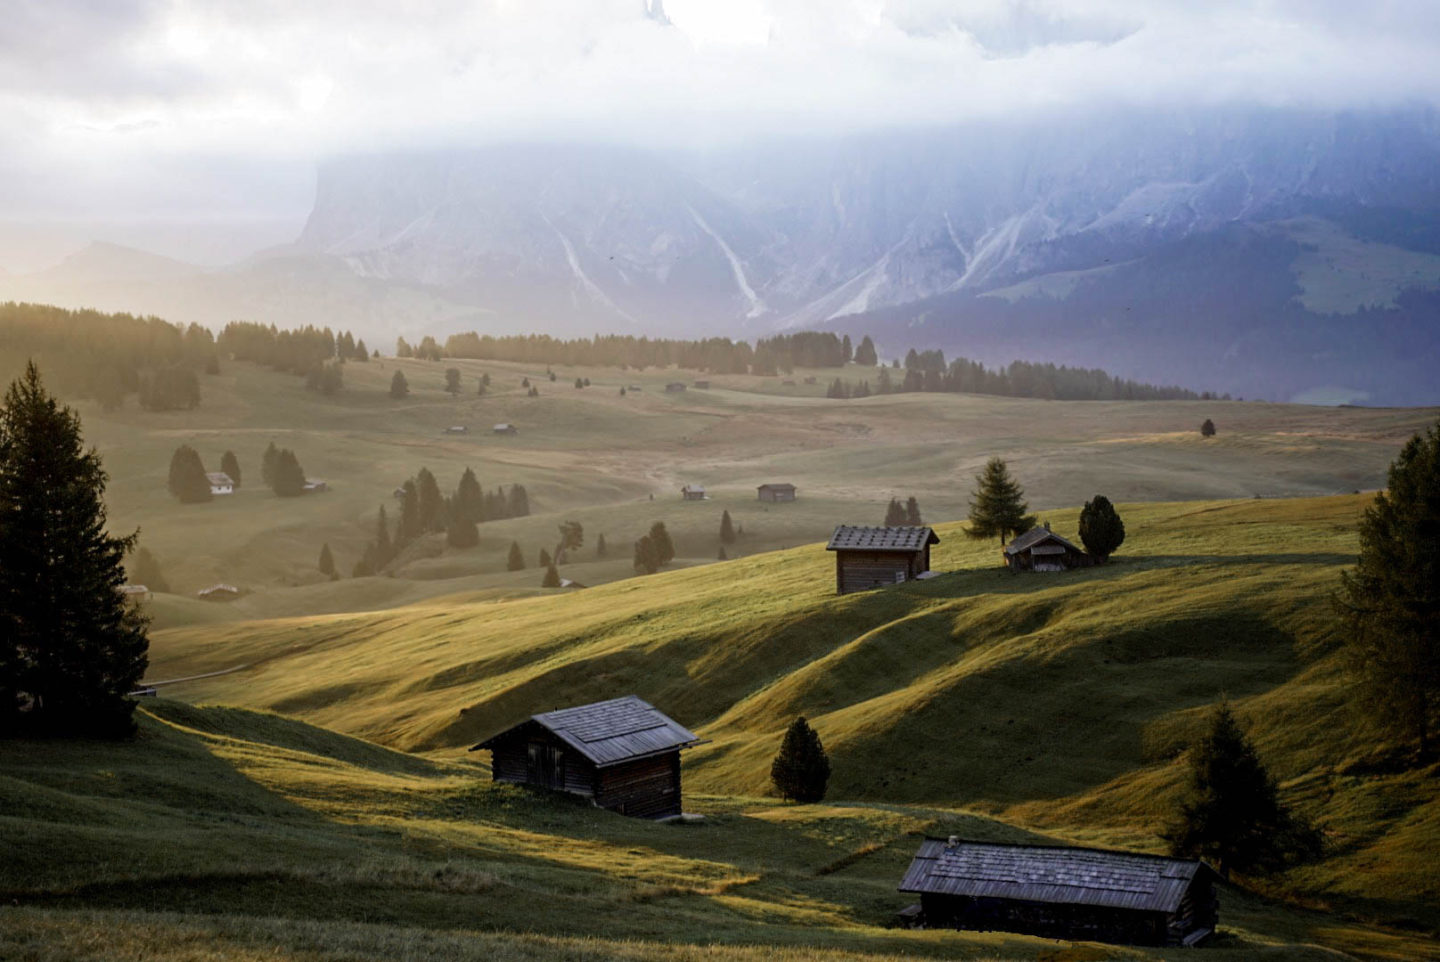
166,85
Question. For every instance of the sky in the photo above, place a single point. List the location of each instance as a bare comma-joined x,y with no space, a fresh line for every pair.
178,114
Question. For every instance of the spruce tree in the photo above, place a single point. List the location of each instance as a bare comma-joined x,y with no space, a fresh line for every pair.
865,353
727,529
551,579
664,547
1207,430
452,380
187,480
722,556
998,508
144,569
384,549
71,649
801,769
267,465
231,466
408,526
516,561
894,513
469,498
647,558
1231,814
287,478
545,558
1101,529
519,502
912,512
572,538
326,563
399,387
430,501
600,546
1389,605
460,532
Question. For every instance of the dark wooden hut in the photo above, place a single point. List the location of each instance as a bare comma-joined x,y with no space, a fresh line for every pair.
693,492
872,557
777,492
1041,549
1064,893
623,754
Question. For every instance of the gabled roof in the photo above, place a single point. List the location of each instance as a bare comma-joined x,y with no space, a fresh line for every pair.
219,478
610,732
897,538
693,487
777,486
1035,536
1068,876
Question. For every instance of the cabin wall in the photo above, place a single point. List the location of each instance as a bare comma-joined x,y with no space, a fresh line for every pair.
863,570
645,788
1070,922
511,761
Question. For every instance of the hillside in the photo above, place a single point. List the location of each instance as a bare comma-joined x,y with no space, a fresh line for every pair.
233,836
1059,702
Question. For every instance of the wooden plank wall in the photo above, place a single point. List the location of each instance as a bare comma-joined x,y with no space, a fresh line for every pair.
646,787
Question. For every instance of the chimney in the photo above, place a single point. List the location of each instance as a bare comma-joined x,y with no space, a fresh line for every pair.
953,842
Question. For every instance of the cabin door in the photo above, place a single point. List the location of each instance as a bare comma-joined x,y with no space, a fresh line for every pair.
546,766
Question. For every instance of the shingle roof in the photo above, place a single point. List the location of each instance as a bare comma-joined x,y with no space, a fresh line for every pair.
777,486
1033,537
1070,876
898,538
610,732
219,477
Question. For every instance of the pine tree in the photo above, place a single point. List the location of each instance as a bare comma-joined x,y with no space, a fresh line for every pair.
912,512
1101,529
801,769
1389,604
516,561
460,532
519,502
70,647
1207,430
327,561
399,387
452,380
998,508
384,550
865,353
545,558
288,478
361,352
647,558
894,513
600,546
430,501
470,498
551,579
1231,813
145,570
664,547
402,350
408,526
267,465
188,482
231,466
727,528
847,352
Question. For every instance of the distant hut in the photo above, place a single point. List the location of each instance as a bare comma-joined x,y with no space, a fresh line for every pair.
219,592
1041,549
505,429
398,494
868,557
134,593
220,483
622,754
1063,893
315,486
693,492
674,387
457,429
777,492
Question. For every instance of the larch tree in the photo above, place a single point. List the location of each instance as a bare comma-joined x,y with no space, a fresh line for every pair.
865,353
1389,605
600,546
71,649
431,501
452,380
572,538
894,513
267,464
998,507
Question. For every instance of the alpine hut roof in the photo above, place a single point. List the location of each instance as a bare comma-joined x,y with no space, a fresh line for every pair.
1034,538
219,479
850,537
1069,876
611,732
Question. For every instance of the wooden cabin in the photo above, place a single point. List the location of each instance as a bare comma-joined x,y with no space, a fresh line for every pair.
874,557
1063,893
777,492
505,429
693,492
220,483
134,593
622,754
1041,549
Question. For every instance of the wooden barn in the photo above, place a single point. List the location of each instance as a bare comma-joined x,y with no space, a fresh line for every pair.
873,557
1063,893
777,492
1041,549
693,492
622,754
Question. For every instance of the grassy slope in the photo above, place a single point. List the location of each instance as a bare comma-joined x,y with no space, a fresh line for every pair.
1059,702
225,834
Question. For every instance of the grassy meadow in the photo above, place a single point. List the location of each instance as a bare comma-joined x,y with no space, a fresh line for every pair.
316,801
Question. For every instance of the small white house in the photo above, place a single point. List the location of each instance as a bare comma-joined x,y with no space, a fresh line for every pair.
220,483
506,429
314,486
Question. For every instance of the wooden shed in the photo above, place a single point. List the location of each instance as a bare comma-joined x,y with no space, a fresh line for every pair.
1064,893
777,492
693,492
1041,549
622,754
873,557
220,483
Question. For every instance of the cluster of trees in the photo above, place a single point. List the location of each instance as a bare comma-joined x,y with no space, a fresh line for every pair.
281,472
427,350
654,549
106,357
144,569
71,649
298,351
907,513
325,378
841,389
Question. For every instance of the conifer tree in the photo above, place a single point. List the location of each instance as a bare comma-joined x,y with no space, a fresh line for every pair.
722,556
801,769
847,353
545,558
727,528
469,498
231,466
664,547
287,478
361,352
1231,814
551,579
71,649
516,561
327,561
267,465
399,387
384,550
894,513
1389,604
1207,430
1101,529
408,526
912,512
647,558
452,380
572,538
402,350
430,501
865,353
144,569
519,502
600,546
188,482
460,532
999,507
